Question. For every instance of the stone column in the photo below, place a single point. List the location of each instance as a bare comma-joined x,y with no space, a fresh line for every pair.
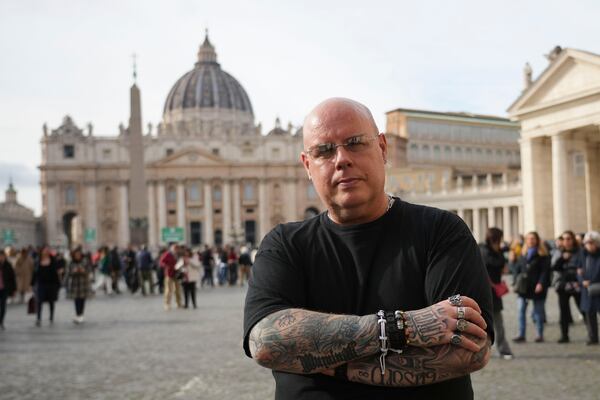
237,217
520,220
527,184
263,210
506,223
491,217
123,215
52,236
208,214
227,232
181,209
162,211
592,184
290,200
152,233
91,214
559,184
476,225
461,213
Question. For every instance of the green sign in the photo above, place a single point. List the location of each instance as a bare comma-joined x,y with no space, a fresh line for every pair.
90,235
8,236
172,234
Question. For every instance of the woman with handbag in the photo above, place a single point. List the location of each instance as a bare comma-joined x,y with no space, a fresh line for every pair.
46,282
590,274
496,266
532,281
564,264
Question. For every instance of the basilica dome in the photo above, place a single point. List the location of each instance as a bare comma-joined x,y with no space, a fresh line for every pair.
207,93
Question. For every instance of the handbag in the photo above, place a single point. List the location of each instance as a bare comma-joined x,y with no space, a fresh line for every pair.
500,288
31,305
521,283
594,289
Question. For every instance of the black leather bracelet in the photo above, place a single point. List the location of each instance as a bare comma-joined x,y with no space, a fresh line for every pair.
393,333
396,329
341,372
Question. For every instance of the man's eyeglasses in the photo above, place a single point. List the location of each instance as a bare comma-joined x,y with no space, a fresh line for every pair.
325,151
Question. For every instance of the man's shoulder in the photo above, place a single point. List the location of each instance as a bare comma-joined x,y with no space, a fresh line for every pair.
297,229
430,217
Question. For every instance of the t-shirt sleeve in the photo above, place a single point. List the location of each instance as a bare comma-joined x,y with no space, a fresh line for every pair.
455,266
277,281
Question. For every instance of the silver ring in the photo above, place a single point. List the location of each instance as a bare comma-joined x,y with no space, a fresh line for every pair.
456,339
461,325
455,300
460,312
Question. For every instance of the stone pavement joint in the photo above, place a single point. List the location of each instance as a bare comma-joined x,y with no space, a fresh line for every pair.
129,347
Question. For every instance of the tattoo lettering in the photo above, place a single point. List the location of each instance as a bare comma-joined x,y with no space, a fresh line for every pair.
419,366
310,362
426,327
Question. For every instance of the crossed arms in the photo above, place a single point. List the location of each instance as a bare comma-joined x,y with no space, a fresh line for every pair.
308,342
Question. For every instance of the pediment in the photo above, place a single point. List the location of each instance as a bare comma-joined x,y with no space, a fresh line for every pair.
572,75
190,157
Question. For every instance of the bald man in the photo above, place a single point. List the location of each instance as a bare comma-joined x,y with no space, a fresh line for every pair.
331,295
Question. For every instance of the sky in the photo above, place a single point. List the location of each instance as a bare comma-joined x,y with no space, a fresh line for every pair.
60,57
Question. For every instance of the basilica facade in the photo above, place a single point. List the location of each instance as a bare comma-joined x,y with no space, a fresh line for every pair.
206,175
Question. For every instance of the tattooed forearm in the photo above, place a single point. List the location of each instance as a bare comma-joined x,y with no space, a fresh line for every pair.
302,341
419,366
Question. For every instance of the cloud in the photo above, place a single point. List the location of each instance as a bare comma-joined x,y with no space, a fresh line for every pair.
22,175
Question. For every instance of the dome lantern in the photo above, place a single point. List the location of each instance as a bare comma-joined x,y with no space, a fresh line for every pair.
207,53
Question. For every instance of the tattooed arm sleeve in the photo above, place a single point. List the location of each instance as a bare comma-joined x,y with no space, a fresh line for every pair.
306,342
418,366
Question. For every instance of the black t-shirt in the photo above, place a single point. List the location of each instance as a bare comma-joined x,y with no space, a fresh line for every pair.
411,257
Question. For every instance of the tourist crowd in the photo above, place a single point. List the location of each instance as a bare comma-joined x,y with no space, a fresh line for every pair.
570,265
36,276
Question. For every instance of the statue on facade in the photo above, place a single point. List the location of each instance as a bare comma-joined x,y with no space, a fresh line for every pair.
45,129
527,75
150,128
90,128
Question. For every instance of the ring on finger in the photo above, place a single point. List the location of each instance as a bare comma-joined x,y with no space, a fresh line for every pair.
461,325
460,311
456,339
455,300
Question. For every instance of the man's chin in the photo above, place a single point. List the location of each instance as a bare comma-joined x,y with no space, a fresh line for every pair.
350,200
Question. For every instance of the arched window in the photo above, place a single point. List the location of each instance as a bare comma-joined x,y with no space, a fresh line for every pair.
193,192
171,194
217,194
70,196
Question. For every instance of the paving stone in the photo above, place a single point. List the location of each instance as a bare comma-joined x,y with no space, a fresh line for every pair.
129,347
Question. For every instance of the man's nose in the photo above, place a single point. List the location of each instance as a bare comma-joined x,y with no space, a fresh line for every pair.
342,157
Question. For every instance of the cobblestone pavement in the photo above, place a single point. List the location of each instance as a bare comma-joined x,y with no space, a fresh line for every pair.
130,348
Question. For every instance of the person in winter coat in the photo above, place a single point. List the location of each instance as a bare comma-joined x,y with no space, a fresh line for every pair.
8,285
46,282
496,266
564,264
590,274
23,273
77,282
533,270
103,277
245,263
167,263
190,267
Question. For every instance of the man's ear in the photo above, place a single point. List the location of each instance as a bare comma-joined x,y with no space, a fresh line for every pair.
306,163
383,146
